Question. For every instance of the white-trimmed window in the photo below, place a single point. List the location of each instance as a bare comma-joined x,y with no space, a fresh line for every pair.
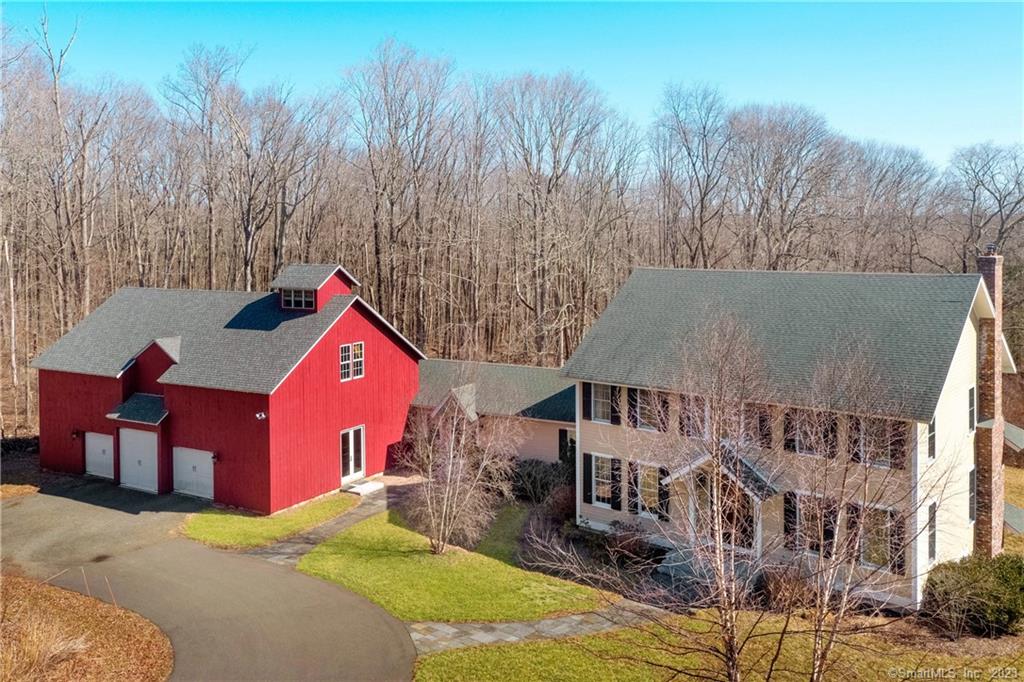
358,361
876,537
799,432
602,480
648,490
931,439
879,442
933,531
299,299
601,403
648,410
972,495
692,416
972,409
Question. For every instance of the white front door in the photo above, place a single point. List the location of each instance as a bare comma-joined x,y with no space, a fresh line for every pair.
193,472
353,445
138,460
99,455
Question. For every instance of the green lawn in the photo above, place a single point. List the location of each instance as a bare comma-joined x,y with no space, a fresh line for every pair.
593,657
391,565
234,529
502,540
1014,484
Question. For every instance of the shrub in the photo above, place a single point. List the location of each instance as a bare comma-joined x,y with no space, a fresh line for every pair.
534,479
976,595
561,503
784,588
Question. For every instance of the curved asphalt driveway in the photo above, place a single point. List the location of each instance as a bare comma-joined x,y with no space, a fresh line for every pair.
229,616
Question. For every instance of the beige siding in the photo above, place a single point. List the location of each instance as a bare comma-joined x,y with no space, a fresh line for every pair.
540,439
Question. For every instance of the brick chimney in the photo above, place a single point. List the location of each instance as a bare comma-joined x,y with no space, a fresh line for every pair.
988,440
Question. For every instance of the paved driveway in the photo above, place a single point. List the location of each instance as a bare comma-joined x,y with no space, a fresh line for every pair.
229,616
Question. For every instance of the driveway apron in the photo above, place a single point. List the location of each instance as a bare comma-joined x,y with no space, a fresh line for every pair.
229,616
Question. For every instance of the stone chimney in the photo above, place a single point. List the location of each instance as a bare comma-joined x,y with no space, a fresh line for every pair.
988,439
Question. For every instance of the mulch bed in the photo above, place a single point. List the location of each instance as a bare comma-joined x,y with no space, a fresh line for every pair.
48,633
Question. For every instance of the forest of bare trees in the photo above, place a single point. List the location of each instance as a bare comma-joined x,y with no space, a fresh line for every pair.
487,218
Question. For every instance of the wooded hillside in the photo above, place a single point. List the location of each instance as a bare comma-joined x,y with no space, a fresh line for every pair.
487,218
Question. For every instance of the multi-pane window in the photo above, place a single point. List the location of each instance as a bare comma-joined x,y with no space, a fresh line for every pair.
297,298
691,416
648,410
931,439
880,442
933,531
972,501
648,490
602,484
971,409
357,360
758,425
601,403
351,361
876,538
817,524
809,432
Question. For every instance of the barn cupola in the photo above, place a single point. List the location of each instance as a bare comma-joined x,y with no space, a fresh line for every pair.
309,287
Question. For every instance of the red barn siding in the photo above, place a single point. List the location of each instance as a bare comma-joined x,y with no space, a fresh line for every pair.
335,286
225,423
149,366
73,403
312,406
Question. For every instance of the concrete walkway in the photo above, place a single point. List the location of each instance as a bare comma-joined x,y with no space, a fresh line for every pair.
289,551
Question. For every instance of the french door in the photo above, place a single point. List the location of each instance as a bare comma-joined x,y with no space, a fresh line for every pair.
353,444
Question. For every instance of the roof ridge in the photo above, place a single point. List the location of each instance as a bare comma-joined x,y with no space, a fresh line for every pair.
500,364
657,268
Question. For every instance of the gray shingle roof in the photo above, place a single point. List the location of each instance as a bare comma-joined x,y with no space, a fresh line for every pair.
909,323
141,407
506,390
307,276
229,340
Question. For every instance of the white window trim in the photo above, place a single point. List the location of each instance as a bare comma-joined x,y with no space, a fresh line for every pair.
362,446
972,508
800,496
302,299
640,506
593,479
593,403
931,560
972,393
640,423
342,364
362,359
352,376
932,436
860,546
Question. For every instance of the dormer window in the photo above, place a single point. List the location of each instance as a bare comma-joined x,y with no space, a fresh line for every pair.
297,299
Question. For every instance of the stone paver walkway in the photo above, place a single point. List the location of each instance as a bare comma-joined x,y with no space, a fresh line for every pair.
290,550
434,637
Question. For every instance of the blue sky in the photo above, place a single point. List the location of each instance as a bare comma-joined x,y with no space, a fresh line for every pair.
931,76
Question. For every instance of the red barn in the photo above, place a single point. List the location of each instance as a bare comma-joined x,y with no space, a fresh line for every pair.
255,400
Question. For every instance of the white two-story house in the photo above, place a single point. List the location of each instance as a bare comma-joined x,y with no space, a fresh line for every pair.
936,477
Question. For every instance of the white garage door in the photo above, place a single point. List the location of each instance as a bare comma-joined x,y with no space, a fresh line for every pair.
193,472
138,460
99,455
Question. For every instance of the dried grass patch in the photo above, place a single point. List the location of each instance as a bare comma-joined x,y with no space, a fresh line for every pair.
48,633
